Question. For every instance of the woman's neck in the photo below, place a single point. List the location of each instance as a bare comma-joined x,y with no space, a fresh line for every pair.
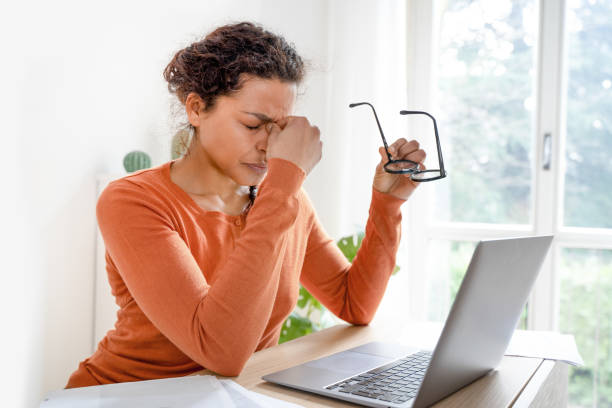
200,178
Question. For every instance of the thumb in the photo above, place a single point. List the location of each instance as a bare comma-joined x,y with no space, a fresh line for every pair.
383,161
383,154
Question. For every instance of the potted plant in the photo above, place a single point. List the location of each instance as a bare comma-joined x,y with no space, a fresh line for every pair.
310,315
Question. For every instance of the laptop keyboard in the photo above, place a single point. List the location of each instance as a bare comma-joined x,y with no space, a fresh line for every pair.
396,382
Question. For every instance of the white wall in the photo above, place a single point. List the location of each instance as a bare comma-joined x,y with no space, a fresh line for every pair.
367,63
83,86
86,87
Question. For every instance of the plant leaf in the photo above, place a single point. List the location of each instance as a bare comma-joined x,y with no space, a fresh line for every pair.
349,247
295,326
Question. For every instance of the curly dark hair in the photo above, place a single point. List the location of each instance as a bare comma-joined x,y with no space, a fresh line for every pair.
212,66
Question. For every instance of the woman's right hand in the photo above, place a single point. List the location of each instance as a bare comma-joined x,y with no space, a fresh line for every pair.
295,140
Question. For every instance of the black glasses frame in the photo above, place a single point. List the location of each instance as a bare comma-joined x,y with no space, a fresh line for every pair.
412,167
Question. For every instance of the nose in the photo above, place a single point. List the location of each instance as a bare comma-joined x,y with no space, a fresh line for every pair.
261,144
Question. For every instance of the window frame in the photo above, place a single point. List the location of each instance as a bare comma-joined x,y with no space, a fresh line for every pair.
550,87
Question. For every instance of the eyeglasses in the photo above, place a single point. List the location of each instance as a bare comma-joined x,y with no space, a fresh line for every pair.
405,166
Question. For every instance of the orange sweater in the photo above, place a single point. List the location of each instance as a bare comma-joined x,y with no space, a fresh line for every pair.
205,289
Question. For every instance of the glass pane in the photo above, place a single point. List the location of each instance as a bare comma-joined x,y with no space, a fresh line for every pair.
447,264
485,106
586,312
588,173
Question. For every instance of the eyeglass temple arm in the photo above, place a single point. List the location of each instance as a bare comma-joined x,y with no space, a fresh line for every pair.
406,112
352,105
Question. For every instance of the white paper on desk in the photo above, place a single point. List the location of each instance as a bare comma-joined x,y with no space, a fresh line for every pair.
240,398
524,343
184,392
251,399
544,344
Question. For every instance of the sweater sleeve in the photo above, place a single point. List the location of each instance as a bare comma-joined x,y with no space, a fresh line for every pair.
353,291
217,325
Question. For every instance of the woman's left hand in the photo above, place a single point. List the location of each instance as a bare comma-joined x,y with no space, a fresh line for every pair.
398,185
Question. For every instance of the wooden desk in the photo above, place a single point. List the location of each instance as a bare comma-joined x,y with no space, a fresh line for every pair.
518,381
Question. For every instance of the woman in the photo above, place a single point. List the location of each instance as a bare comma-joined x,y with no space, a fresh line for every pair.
205,253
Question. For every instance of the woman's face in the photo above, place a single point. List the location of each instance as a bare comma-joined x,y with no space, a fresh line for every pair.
233,134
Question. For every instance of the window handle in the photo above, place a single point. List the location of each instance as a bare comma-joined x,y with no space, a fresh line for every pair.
547,151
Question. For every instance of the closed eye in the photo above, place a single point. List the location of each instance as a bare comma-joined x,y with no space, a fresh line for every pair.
252,127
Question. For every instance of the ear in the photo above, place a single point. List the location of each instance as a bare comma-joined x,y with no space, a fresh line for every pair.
194,105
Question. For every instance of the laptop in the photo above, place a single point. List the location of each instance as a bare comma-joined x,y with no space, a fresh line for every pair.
473,340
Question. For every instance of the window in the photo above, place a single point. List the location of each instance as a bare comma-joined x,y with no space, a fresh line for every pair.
588,143
485,99
523,95
586,311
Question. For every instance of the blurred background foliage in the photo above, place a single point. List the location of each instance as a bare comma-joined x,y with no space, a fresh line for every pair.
486,95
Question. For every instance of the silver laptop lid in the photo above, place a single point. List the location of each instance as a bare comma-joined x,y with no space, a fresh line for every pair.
484,314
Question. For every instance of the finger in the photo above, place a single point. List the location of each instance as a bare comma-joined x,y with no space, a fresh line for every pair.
416,156
408,148
383,154
273,129
296,121
283,122
395,147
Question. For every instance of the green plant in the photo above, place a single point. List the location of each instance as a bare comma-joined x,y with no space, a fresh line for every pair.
136,160
300,324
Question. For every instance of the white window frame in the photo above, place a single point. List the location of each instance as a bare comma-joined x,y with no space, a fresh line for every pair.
547,185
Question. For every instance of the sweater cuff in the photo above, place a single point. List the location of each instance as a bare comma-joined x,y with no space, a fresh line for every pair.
283,175
386,203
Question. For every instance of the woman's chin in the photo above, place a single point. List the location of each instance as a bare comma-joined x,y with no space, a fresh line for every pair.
249,179
256,180
254,175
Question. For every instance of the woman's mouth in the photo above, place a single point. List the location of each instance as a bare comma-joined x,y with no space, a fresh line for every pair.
257,167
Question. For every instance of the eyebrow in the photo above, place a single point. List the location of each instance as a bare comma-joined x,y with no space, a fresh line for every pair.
260,116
